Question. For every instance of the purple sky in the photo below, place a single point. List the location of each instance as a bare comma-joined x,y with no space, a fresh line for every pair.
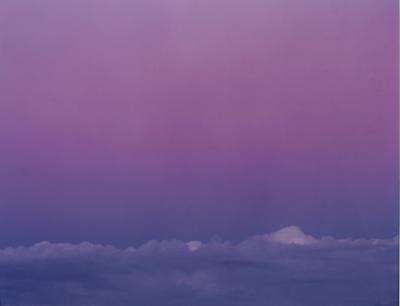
123,121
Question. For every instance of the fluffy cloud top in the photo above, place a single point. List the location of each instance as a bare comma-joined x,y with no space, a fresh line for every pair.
292,234
286,267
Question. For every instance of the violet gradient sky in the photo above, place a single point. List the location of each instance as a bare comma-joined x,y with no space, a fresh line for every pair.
123,121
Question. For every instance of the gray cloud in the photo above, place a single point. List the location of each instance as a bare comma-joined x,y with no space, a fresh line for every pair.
283,268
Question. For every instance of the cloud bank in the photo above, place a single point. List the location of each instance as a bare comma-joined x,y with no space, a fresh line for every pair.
284,268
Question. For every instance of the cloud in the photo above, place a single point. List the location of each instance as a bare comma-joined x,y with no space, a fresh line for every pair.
194,245
286,267
291,234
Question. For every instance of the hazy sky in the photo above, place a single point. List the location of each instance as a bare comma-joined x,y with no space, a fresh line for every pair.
123,121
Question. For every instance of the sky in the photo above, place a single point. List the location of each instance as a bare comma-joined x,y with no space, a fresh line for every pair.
199,152
125,121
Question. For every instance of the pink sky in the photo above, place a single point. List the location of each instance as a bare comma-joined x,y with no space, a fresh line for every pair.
133,119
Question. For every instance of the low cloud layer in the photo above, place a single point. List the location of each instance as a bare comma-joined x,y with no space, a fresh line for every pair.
284,268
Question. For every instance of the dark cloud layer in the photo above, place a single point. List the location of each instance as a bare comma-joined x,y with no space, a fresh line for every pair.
285,268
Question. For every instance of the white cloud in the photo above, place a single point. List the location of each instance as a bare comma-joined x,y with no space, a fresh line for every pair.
262,268
291,235
194,245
